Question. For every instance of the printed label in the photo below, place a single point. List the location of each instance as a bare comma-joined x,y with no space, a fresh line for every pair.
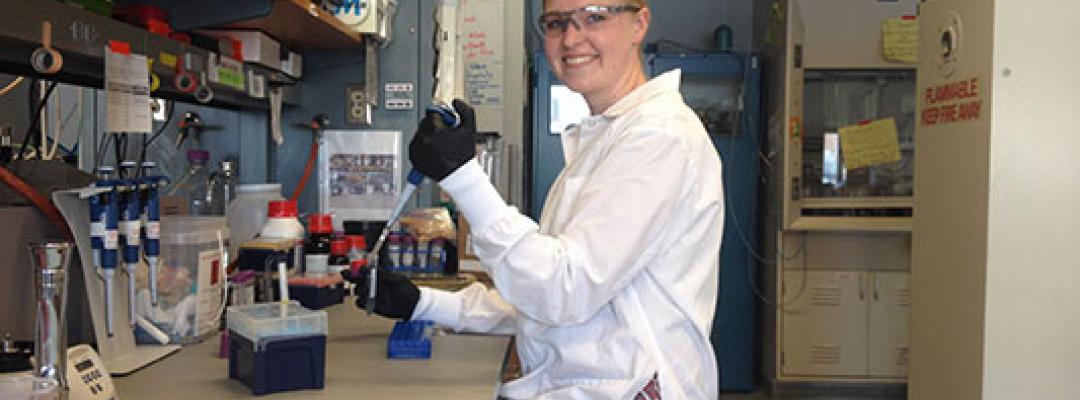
153,230
208,292
97,229
111,239
131,232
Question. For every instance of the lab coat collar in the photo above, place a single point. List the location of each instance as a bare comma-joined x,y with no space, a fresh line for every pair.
666,82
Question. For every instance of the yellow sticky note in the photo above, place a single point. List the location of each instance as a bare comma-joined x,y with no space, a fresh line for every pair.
870,144
900,39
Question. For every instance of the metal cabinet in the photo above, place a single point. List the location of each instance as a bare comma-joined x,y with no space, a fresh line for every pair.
845,324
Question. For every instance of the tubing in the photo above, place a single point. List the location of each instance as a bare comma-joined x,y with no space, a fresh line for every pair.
308,169
44,205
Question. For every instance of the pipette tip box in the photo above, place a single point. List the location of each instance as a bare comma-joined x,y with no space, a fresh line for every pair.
277,348
278,365
410,340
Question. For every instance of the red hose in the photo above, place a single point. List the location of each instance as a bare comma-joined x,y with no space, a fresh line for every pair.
307,169
44,205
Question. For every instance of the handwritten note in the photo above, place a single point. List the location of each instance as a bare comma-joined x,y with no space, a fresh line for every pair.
870,144
483,51
900,39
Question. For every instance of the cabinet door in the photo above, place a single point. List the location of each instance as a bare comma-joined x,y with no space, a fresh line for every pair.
824,323
887,343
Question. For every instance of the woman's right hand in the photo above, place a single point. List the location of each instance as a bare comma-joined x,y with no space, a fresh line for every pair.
438,150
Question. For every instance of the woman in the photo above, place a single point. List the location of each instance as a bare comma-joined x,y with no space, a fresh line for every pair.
612,295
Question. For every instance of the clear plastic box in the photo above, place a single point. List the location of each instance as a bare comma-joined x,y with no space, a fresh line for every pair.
191,278
258,322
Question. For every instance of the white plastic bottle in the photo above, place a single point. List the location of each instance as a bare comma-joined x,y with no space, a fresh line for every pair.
247,214
282,224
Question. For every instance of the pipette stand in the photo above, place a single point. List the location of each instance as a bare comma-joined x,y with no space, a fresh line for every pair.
119,353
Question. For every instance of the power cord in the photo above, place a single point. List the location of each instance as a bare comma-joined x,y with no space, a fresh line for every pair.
740,233
34,120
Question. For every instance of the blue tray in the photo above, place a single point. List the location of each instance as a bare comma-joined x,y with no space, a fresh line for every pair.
410,340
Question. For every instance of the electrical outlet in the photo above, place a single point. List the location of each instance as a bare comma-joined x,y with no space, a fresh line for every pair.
357,107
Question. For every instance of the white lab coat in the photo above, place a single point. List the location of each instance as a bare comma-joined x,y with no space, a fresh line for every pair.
619,280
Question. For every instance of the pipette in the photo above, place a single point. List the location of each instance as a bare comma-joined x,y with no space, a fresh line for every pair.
108,205
445,86
152,224
130,230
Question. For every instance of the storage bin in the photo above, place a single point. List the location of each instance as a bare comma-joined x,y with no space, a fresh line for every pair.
191,278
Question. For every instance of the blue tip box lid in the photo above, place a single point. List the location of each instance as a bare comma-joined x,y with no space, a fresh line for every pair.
410,340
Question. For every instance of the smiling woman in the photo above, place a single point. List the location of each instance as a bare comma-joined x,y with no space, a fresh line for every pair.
612,293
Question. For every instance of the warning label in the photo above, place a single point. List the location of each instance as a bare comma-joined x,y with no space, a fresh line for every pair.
952,102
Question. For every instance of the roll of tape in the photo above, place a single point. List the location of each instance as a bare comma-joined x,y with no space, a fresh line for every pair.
155,80
185,82
46,59
204,94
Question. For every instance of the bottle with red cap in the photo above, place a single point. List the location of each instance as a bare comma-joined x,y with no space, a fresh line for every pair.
282,224
339,256
357,247
317,247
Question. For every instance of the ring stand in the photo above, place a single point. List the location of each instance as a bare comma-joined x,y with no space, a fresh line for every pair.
119,353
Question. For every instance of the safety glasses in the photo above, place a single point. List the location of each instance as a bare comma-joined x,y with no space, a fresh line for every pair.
588,18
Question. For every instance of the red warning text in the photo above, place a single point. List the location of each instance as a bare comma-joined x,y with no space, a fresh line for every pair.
951,102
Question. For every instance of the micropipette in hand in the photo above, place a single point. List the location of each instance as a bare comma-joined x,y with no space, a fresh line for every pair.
446,115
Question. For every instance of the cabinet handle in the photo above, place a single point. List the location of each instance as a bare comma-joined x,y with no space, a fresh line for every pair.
862,288
875,289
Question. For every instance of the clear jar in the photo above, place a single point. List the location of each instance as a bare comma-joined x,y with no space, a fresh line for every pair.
194,187
223,188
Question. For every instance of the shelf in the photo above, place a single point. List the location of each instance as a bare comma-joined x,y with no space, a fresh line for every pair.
81,37
857,202
875,224
301,24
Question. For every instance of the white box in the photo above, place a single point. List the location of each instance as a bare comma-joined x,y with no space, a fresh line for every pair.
260,48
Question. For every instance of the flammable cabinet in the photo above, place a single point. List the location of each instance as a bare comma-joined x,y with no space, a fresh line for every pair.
837,232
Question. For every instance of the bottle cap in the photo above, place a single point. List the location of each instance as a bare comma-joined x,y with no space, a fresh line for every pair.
281,209
320,224
339,247
356,241
356,266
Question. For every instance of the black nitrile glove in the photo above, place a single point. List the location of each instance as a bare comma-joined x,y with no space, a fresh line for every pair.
395,295
438,150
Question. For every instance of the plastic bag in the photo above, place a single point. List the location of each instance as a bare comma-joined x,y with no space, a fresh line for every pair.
427,224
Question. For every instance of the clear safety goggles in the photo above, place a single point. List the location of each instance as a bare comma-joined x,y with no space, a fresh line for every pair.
588,18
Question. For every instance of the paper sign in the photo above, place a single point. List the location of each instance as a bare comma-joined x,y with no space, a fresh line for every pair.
127,92
870,144
900,39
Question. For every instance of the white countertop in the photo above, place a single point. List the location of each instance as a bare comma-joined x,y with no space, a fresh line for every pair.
460,367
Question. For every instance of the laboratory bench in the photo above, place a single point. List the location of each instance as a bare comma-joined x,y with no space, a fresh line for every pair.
460,367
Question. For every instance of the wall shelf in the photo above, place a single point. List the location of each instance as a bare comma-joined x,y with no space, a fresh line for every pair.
81,37
301,24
